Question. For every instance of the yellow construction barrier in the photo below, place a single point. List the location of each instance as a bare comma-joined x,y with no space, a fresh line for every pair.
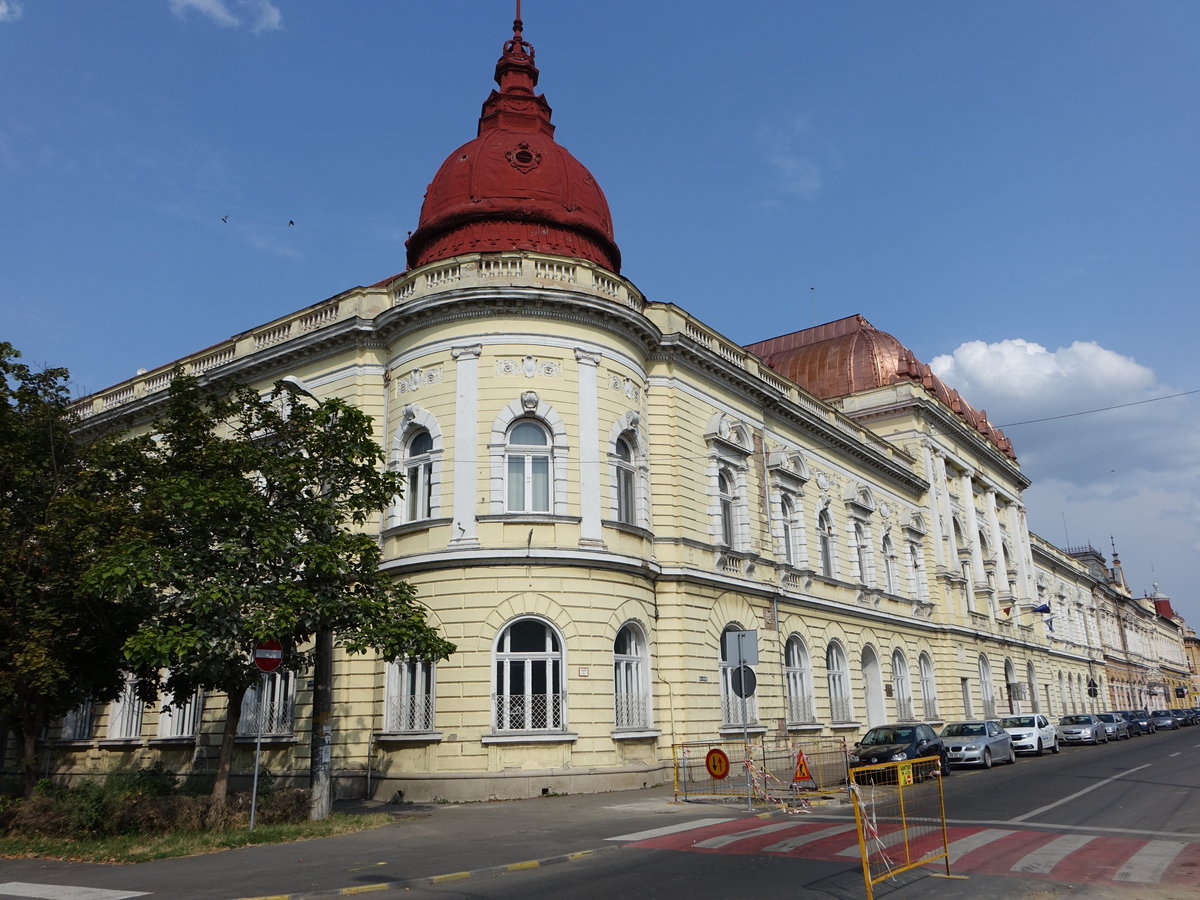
901,818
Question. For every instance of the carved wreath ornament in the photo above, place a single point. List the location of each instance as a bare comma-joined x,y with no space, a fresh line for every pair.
523,159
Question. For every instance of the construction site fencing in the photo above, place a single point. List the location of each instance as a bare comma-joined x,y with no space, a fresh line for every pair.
900,814
766,770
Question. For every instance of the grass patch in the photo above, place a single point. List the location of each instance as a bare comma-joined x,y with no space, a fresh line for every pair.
135,848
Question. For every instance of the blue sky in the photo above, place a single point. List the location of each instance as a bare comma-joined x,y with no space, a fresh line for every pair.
1010,189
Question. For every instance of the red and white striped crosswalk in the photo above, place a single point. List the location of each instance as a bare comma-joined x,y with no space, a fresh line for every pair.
1030,852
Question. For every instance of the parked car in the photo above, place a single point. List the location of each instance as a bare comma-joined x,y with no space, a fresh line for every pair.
1137,725
1144,721
979,742
896,743
1082,728
1031,734
1116,726
1181,717
1162,718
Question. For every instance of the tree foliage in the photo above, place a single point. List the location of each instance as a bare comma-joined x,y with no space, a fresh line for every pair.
60,643
247,529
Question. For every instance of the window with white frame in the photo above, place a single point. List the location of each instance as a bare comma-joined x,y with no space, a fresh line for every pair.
180,721
888,552
987,689
409,696
787,529
631,690
928,687
270,703
735,710
528,457
77,724
626,481
825,533
798,671
916,572
125,713
529,692
837,673
418,476
901,686
725,500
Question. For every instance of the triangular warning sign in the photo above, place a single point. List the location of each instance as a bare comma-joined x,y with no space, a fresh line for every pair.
801,768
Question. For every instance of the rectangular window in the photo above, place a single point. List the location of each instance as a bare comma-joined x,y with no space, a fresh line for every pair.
180,721
625,496
125,713
271,701
409,696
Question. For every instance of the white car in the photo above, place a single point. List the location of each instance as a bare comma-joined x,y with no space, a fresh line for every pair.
1031,734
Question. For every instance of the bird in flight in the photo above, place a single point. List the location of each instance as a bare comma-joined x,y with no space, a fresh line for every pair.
291,222
224,218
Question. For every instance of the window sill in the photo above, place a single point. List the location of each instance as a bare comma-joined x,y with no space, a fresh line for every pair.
636,734
531,737
403,528
113,743
288,738
635,530
845,726
756,728
180,739
408,737
531,518
806,726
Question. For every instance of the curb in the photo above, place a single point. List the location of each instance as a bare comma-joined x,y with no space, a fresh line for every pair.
431,880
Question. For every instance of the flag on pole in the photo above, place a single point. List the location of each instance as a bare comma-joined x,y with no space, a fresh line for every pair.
1045,607
1049,620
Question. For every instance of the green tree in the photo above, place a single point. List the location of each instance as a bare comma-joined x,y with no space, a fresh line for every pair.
248,529
60,644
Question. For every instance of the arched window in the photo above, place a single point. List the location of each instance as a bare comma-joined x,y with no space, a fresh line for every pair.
528,455
418,477
409,696
987,688
625,481
529,692
837,672
888,552
725,495
631,693
928,687
798,670
825,532
901,686
735,710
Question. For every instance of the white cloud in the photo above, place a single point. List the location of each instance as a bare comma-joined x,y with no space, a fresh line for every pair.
795,171
10,10
1131,473
264,14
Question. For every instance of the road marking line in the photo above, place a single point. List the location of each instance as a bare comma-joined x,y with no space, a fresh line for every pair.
667,829
1174,754
1149,863
1047,856
811,838
63,892
1086,790
726,839
965,845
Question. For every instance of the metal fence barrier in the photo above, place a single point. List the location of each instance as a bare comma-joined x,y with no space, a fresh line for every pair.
901,818
771,771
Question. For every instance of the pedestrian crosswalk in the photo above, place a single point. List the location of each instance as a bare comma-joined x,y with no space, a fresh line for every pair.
1022,851
29,891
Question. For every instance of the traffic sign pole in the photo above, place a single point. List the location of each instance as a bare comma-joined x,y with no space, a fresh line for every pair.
267,657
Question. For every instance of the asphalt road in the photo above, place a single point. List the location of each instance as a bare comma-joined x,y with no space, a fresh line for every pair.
1138,795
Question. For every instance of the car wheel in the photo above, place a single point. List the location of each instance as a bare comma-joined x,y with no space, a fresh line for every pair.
1012,756
1054,748
944,765
1040,750
987,758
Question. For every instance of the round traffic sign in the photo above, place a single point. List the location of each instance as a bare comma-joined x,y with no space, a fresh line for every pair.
268,655
743,681
717,763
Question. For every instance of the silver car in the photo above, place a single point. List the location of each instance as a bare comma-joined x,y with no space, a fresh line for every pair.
1031,734
1163,720
1116,726
1082,728
979,742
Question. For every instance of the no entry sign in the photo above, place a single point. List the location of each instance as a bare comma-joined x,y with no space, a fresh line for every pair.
268,655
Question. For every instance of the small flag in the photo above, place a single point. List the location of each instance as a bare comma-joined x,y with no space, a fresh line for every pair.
1049,620
1008,610
1045,607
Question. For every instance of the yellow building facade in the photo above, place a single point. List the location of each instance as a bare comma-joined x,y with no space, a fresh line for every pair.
599,488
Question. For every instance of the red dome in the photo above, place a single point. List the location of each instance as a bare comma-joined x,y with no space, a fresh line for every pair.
514,187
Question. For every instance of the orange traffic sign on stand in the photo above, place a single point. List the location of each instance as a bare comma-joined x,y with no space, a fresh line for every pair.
717,763
801,768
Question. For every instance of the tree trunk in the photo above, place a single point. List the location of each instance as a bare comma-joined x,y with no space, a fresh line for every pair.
233,715
321,739
27,730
